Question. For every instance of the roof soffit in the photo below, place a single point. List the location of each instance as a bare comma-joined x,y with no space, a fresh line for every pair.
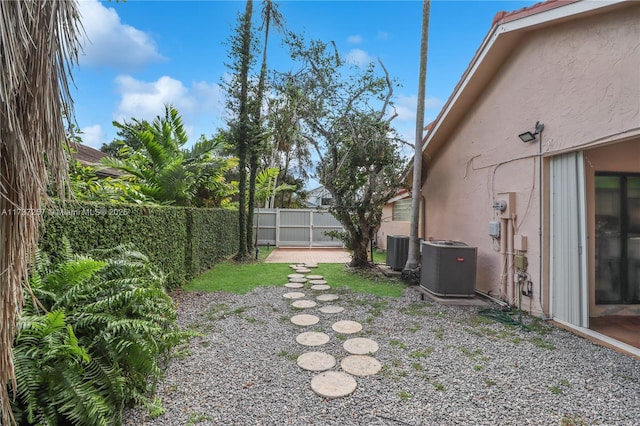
505,35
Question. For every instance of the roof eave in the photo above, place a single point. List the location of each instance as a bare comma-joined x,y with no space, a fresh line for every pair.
504,36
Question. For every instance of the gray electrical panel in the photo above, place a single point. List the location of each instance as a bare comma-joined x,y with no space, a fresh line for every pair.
448,268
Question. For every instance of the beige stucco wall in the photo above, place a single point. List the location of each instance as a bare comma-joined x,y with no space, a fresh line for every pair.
390,227
581,80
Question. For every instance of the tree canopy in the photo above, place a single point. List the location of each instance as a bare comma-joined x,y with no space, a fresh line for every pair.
345,114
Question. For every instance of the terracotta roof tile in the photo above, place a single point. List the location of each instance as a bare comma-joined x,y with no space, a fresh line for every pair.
503,17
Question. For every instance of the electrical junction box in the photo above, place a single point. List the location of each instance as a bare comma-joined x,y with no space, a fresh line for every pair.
520,242
510,209
520,262
494,229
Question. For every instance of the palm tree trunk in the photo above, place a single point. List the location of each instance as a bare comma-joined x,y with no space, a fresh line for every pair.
39,42
413,258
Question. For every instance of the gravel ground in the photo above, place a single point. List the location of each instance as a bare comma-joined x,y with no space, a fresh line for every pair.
442,365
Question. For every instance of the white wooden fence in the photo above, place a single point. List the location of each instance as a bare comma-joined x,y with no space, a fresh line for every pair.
295,228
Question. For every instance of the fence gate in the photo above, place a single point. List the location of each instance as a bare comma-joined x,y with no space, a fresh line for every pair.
295,228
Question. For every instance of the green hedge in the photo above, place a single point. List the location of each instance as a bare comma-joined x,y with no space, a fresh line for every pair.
183,242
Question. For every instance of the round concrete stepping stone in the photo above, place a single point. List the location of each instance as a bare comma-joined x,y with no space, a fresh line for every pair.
310,265
297,280
303,304
294,285
346,327
320,287
303,270
294,266
304,319
295,276
293,295
333,384
316,361
321,282
361,365
314,277
331,309
360,346
328,297
312,338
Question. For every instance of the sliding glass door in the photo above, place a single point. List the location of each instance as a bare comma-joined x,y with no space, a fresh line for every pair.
617,238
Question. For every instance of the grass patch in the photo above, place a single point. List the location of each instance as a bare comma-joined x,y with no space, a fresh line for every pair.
539,342
404,395
360,282
397,344
421,354
241,278
556,390
414,328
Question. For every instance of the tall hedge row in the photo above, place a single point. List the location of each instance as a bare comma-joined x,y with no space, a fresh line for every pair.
182,241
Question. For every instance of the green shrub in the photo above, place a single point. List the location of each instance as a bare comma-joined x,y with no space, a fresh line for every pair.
182,242
96,340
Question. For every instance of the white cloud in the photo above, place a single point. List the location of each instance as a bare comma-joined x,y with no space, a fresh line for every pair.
200,102
110,43
355,39
406,106
358,57
92,136
382,35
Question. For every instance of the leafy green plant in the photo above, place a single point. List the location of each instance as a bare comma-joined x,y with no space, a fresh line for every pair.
95,338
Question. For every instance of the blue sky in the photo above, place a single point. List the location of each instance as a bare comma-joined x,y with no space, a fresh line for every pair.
142,54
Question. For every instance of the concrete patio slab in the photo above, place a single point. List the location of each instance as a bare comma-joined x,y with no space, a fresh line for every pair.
312,256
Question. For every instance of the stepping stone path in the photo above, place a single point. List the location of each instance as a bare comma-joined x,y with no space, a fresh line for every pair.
328,297
329,383
314,277
333,384
312,338
320,287
293,295
361,365
347,327
294,285
303,304
360,346
305,319
316,361
331,309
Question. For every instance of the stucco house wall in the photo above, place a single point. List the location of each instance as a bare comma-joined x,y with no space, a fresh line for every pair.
390,227
581,79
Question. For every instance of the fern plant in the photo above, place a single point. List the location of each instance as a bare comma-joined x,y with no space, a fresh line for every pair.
96,339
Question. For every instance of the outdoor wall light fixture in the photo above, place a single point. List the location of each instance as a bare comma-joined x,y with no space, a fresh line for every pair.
531,136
